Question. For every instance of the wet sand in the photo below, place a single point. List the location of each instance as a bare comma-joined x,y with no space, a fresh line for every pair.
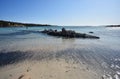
48,69
30,55
69,63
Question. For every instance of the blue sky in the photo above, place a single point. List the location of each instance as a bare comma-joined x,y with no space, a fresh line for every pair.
61,12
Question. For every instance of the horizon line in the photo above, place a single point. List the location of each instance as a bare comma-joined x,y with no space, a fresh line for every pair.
58,24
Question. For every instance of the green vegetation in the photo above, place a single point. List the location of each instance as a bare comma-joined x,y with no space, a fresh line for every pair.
17,24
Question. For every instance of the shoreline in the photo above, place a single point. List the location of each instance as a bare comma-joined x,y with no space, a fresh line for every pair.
19,24
47,69
27,54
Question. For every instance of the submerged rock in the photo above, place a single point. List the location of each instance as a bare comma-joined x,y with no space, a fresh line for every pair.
91,32
68,34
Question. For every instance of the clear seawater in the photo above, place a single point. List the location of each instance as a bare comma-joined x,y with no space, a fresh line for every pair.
103,53
20,36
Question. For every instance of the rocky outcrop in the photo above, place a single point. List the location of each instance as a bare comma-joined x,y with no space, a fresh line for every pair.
91,32
113,26
68,34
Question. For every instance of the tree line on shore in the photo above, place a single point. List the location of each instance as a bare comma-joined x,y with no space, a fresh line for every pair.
12,24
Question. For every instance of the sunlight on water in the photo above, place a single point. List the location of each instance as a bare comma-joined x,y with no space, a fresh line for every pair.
113,28
100,55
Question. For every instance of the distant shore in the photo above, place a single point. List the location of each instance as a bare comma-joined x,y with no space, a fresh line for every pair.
18,24
113,26
4,23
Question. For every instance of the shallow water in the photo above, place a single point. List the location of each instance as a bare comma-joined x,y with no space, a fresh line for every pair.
18,44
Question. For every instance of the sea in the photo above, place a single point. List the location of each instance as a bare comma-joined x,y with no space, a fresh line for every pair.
20,43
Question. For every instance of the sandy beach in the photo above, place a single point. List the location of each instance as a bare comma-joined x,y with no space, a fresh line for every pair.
48,69
59,39
28,54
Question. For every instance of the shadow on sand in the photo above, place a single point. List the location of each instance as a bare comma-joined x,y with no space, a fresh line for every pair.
11,57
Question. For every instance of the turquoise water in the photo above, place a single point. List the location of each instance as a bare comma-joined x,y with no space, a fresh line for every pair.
20,43
109,37
20,37
10,36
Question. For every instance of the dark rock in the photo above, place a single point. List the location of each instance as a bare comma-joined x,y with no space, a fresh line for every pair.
63,30
113,26
91,32
55,30
68,34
